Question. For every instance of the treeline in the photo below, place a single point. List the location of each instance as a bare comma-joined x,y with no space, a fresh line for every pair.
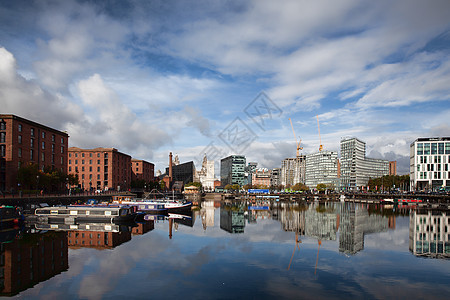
389,183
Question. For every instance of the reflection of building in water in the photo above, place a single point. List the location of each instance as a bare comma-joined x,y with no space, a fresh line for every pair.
232,219
429,233
207,213
322,221
32,259
143,228
292,218
354,224
97,239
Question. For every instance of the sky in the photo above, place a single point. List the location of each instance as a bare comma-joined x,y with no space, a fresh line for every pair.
224,77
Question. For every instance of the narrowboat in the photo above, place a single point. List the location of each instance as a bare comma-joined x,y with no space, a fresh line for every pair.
86,213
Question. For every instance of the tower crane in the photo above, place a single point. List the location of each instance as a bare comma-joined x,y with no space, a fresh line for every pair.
299,142
320,140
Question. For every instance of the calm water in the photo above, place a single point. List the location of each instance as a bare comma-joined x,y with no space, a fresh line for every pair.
268,251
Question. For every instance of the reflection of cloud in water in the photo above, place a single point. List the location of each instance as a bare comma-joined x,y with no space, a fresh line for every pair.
397,239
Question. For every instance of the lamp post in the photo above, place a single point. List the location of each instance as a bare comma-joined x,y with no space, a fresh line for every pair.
37,184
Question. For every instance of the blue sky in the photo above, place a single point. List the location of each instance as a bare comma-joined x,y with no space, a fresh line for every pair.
224,77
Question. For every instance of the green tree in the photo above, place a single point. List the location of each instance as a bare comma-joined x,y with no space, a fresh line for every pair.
321,187
300,187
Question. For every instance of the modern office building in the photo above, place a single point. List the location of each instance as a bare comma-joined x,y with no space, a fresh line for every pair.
356,168
232,170
429,163
275,178
249,169
142,170
322,167
293,171
23,141
100,168
184,172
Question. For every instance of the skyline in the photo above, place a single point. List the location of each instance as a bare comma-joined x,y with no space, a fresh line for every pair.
149,78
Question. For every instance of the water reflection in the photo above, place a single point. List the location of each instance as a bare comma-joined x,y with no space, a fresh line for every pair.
31,258
254,241
429,233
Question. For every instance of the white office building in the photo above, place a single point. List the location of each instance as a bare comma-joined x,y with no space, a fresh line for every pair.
356,168
429,163
322,167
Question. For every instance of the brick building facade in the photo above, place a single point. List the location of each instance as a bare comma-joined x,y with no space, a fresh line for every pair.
23,141
142,170
100,168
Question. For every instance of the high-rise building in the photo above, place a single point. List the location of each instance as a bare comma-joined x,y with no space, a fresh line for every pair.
275,179
232,170
322,167
100,168
430,163
23,141
293,171
356,168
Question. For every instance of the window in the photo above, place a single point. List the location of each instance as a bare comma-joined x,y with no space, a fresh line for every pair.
90,176
2,150
76,161
90,161
2,137
20,152
20,139
433,148
43,157
98,169
32,131
70,169
76,154
441,148
90,154
53,138
53,158
98,161
82,161
90,169
82,154
2,125
43,145
98,176
82,169
62,149
62,140
20,127
53,148
82,176
31,154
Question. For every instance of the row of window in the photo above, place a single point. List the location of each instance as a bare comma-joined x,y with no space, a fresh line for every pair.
90,154
433,175
82,162
437,159
433,148
90,169
432,167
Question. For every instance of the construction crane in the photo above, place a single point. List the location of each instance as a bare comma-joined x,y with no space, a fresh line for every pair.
320,140
299,142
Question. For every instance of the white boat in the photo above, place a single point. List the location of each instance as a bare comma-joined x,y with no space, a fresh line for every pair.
156,204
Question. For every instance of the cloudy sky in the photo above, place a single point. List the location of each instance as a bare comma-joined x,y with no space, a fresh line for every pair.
224,77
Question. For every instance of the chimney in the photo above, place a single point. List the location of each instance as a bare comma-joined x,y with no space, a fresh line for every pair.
170,167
